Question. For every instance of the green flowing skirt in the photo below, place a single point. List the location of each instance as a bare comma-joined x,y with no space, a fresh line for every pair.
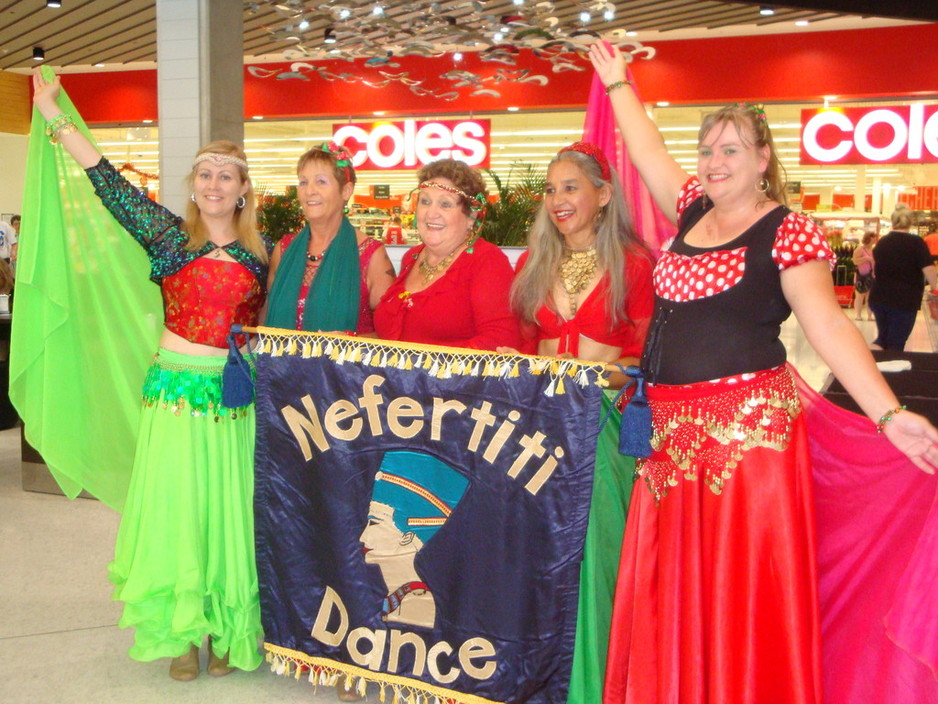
184,560
612,489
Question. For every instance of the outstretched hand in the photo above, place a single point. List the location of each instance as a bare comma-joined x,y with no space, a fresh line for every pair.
45,93
608,62
916,438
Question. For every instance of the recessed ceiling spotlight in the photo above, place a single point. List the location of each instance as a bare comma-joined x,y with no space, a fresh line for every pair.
631,33
345,13
802,23
585,16
54,3
99,65
519,3
457,56
610,14
377,10
498,36
38,54
327,36
257,117
303,25
378,113
512,108
766,10
662,103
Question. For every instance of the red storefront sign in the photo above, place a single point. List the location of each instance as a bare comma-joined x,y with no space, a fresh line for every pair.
893,134
407,144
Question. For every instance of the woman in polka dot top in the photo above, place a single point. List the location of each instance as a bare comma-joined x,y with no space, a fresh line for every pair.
717,597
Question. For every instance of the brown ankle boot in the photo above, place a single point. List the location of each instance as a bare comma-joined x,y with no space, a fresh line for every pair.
217,666
186,667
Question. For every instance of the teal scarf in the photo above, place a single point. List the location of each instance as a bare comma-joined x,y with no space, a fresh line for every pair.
335,295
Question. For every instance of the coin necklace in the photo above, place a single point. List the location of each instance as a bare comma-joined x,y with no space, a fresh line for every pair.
577,268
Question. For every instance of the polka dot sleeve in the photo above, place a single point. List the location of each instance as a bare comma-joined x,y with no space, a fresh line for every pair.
799,240
691,191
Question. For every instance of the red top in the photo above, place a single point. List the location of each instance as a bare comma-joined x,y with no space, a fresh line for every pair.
394,235
207,296
366,251
466,307
592,319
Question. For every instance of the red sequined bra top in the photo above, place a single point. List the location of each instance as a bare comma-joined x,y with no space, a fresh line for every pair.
207,296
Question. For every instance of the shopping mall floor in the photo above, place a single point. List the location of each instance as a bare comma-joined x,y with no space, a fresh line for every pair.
59,640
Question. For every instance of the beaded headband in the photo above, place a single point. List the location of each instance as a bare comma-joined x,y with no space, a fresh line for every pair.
342,158
219,160
593,151
475,203
759,110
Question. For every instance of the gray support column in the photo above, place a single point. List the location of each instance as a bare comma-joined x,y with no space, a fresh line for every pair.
200,80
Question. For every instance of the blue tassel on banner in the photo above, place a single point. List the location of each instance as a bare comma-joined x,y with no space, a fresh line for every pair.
237,384
635,433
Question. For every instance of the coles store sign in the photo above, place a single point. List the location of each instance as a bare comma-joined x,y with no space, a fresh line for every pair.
895,134
411,143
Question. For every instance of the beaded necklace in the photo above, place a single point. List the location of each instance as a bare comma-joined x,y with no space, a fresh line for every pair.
428,272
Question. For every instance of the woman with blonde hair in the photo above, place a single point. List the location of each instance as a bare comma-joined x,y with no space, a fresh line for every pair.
184,560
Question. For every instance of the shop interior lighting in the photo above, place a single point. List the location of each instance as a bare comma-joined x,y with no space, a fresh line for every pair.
54,3
303,25
38,54
457,56
328,36
609,15
498,36
802,23
585,17
766,10
377,10
345,13
519,3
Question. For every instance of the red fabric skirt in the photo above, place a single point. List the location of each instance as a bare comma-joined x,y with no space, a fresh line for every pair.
717,594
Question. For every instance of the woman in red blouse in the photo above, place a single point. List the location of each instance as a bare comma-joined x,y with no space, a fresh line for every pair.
184,559
453,288
583,288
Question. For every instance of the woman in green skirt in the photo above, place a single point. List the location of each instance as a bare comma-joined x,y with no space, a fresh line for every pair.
184,559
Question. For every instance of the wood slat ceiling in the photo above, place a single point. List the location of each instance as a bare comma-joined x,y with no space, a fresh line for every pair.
86,32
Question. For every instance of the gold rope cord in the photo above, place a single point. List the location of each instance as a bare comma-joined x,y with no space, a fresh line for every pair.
439,362
328,673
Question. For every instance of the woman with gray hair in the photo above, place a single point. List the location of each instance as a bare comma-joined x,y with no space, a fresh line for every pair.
902,263
583,288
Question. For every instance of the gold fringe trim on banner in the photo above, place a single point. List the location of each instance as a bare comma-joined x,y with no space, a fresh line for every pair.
393,689
438,362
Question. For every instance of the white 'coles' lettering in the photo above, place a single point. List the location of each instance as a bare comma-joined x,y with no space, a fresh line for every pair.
409,143
902,134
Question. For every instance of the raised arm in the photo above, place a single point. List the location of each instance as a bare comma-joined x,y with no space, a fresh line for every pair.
809,291
45,96
660,172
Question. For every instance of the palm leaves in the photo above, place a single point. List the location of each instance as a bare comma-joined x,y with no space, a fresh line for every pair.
519,196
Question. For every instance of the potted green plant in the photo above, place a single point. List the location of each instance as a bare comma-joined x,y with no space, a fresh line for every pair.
508,219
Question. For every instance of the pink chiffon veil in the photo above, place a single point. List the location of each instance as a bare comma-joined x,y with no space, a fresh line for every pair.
599,128
877,527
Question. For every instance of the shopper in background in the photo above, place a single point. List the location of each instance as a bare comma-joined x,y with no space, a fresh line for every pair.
453,288
184,560
394,233
863,276
902,266
328,277
9,233
931,241
717,598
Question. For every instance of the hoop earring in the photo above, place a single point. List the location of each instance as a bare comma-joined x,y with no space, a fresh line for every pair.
192,197
763,185
241,202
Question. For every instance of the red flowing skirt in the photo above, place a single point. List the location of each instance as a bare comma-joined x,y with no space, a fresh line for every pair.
717,594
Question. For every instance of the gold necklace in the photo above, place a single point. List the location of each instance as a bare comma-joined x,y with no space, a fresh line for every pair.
577,268
428,272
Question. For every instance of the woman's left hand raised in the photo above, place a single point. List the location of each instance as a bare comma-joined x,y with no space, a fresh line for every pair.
916,438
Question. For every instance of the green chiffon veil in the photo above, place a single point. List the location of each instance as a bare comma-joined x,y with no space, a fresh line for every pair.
86,322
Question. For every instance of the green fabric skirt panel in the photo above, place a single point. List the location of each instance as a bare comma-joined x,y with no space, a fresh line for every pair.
184,559
612,490
86,322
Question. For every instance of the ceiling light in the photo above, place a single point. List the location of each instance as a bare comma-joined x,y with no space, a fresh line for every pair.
518,2
585,16
327,36
766,10
38,53
303,25
99,65
378,10
344,13
802,23
457,56
257,117
609,15
53,3
662,103
378,113
498,36
631,34
513,108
